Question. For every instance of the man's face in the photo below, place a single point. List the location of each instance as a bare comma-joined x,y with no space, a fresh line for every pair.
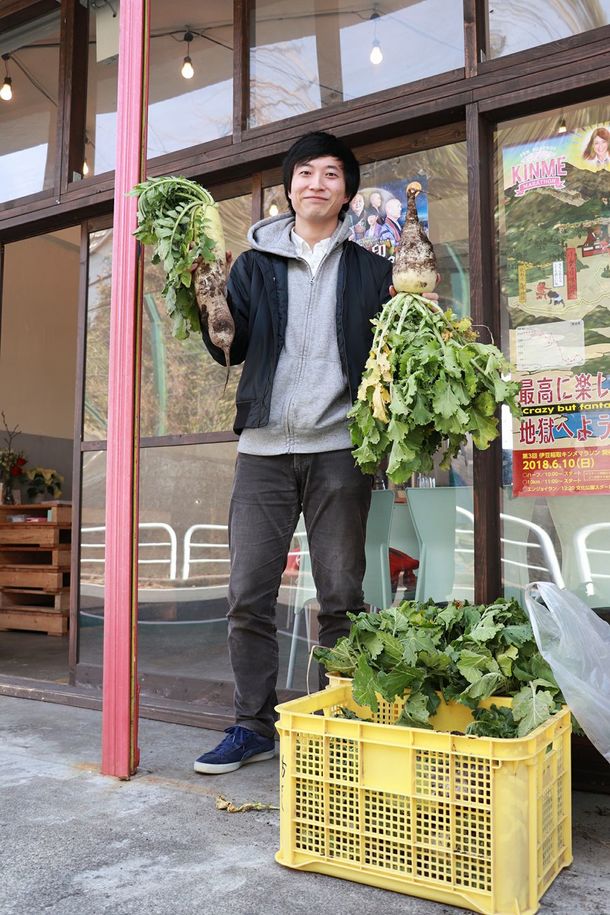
317,191
393,208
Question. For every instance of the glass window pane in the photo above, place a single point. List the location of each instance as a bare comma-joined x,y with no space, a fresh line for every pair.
183,565
553,240
29,107
188,110
182,387
92,558
182,112
95,412
184,568
515,25
307,55
102,75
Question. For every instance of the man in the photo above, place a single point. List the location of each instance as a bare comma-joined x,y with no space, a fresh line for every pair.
376,207
391,228
302,299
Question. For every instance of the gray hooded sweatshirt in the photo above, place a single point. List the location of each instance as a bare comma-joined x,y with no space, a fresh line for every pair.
310,396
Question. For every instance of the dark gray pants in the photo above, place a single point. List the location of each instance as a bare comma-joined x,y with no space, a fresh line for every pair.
268,495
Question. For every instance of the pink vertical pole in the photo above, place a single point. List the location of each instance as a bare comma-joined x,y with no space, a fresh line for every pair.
120,704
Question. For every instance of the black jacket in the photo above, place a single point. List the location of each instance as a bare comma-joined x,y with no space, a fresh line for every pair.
257,294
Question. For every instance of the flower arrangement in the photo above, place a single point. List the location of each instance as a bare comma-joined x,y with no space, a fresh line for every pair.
12,463
43,481
38,481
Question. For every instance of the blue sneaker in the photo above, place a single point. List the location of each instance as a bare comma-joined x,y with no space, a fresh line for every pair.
240,746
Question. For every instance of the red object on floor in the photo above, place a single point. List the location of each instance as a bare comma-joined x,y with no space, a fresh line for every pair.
401,562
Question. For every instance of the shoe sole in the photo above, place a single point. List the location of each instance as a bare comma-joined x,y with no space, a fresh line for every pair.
219,768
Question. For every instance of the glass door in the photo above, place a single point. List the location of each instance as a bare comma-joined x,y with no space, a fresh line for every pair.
553,219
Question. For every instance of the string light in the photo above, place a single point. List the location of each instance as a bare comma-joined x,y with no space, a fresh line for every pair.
562,128
85,169
187,66
6,92
376,55
273,209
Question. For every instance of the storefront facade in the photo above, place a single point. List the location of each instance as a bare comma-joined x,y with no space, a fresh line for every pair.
491,106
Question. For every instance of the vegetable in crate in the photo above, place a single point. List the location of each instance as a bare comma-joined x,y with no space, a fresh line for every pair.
181,219
465,652
427,382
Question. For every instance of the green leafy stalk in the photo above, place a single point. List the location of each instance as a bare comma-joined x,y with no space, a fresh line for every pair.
174,215
465,652
427,384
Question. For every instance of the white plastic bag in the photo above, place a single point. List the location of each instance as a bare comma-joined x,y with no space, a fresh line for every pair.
575,642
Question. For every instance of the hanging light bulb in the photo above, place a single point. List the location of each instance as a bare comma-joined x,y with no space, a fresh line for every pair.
6,93
562,128
376,55
273,209
85,168
187,66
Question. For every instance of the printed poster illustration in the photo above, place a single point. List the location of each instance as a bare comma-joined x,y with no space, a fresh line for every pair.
555,248
377,215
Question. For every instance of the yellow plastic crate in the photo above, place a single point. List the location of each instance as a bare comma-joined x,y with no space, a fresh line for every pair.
469,821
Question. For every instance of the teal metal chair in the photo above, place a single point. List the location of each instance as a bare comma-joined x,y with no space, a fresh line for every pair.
376,584
434,518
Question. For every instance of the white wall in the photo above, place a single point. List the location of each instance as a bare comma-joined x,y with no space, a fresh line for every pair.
38,343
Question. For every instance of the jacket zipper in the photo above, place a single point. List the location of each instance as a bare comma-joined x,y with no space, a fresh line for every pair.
312,279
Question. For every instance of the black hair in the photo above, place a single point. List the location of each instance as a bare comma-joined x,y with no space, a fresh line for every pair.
313,146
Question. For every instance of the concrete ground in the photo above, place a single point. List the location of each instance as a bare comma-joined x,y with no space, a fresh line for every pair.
76,843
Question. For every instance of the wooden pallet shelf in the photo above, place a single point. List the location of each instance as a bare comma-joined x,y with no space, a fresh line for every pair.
35,567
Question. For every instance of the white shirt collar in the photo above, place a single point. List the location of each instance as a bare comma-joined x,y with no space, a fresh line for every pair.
313,256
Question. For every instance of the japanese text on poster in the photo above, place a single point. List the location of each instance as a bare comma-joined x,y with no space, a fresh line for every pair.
557,210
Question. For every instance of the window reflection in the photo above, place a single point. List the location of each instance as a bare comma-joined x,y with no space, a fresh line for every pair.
515,25
306,56
182,112
183,567
92,557
182,387
29,115
553,225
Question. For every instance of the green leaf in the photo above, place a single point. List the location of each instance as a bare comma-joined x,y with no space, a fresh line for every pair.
393,648
492,722
532,708
372,642
473,664
505,660
517,635
415,713
450,615
340,659
483,688
484,430
397,682
446,400
485,630
364,686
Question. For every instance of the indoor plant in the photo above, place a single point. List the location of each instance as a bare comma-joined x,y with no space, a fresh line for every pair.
12,463
43,481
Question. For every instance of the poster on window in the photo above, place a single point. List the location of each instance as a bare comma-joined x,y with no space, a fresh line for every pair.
377,215
556,248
